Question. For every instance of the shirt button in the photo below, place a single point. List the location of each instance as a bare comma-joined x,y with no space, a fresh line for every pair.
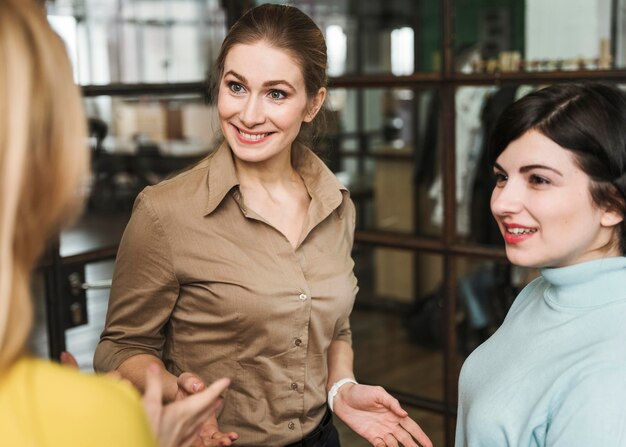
297,342
302,297
294,386
291,426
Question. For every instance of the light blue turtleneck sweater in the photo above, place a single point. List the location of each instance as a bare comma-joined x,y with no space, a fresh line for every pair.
554,373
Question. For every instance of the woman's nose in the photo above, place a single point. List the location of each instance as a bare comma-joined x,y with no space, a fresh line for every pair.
506,199
252,112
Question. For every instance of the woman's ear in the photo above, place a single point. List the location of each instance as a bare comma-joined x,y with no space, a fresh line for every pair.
610,218
315,104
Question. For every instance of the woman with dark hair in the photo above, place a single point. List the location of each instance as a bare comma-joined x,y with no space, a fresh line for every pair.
242,265
553,373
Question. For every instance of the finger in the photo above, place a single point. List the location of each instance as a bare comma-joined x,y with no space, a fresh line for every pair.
225,438
217,439
393,404
390,440
194,410
190,383
378,442
387,400
416,431
404,437
153,396
202,400
68,359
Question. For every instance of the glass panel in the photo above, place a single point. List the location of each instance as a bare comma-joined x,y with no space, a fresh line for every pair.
133,41
389,158
477,109
38,341
82,340
486,290
536,35
137,142
399,37
397,320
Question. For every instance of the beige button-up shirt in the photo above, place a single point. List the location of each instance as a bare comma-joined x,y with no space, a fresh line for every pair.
212,288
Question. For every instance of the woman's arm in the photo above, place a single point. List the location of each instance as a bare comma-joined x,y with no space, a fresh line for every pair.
134,370
340,362
143,296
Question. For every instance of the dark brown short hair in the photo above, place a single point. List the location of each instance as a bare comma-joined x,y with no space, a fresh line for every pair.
588,119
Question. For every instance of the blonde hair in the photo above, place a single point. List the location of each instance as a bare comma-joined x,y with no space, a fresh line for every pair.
43,157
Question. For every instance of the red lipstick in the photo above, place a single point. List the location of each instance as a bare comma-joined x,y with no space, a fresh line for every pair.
515,233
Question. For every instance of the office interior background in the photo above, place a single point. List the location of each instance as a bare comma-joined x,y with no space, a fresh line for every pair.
414,87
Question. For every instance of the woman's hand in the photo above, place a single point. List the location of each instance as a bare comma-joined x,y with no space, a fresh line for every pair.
209,434
180,423
375,415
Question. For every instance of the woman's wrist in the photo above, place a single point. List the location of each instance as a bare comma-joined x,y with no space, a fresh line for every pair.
335,389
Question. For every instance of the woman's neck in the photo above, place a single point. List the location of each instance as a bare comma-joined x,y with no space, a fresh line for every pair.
276,171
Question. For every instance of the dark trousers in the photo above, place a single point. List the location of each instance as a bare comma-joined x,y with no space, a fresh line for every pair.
324,435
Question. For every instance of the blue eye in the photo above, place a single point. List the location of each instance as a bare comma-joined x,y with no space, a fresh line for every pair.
235,87
278,94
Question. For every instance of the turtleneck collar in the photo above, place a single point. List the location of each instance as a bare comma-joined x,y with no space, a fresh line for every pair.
588,284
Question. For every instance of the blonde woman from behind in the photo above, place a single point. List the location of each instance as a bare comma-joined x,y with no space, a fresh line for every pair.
43,163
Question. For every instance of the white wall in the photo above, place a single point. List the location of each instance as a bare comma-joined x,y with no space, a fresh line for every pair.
564,29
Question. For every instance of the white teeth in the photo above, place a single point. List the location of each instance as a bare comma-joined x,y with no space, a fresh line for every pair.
520,230
252,137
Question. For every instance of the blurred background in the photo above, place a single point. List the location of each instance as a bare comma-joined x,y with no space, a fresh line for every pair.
414,87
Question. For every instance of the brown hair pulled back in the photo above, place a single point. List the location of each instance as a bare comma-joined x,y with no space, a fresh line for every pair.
289,29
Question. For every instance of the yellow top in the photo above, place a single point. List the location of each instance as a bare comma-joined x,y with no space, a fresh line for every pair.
43,404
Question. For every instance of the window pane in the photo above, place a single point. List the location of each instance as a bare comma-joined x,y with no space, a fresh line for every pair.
398,320
539,35
377,36
139,41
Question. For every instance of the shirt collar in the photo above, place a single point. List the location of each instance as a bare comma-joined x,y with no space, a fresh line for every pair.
323,186
221,177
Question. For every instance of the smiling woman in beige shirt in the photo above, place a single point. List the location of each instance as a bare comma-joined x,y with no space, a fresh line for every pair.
242,266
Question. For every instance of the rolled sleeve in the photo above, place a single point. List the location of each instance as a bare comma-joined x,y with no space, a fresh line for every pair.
342,329
144,291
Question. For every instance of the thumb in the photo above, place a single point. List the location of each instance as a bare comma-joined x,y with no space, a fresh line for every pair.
68,359
190,383
393,405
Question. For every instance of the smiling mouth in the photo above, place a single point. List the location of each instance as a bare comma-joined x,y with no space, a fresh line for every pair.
251,137
518,231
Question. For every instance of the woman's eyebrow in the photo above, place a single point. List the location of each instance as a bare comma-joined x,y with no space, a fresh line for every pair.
527,168
243,79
